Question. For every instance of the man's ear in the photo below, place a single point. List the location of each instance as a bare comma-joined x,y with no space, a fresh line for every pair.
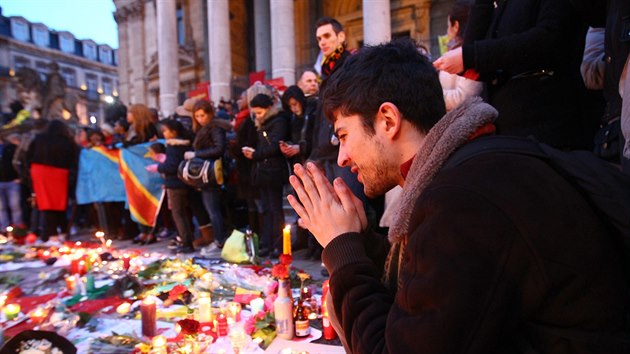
342,37
388,120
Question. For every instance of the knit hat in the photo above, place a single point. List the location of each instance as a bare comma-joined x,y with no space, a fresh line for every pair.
185,110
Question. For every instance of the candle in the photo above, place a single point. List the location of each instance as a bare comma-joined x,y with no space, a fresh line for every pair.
38,315
126,262
148,316
71,283
11,311
286,240
123,308
159,344
222,325
257,305
234,311
286,351
205,309
3,299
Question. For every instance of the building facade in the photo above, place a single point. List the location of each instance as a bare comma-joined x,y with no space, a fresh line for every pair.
170,49
88,69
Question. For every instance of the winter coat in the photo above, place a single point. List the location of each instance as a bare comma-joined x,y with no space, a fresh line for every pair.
529,52
270,164
175,149
210,142
499,254
301,129
7,172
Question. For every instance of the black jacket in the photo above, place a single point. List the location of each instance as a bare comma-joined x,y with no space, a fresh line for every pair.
175,149
7,172
301,128
210,142
268,158
529,52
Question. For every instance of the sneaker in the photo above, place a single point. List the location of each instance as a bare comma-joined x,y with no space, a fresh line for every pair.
210,250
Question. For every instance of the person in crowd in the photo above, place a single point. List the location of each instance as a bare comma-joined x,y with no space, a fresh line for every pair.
108,133
298,148
457,88
177,143
271,171
245,129
121,129
141,127
53,159
492,282
308,83
210,144
529,54
10,208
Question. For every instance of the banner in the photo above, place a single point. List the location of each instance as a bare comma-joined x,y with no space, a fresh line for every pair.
98,178
144,189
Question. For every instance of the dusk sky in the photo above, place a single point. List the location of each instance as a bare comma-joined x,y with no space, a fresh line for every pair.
86,19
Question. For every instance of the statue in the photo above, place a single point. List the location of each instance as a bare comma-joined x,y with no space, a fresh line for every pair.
29,88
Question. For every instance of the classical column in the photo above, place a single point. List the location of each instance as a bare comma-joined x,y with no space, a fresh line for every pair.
123,55
151,29
167,56
377,27
262,37
283,41
219,50
136,35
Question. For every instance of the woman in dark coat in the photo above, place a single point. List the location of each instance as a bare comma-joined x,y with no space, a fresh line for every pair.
271,170
53,159
301,123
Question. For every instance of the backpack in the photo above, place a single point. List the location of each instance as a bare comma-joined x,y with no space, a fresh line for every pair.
601,184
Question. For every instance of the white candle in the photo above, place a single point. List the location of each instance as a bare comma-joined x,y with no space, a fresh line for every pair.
257,305
205,309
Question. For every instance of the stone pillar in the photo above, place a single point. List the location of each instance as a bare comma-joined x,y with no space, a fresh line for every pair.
136,35
219,51
283,41
262,37
377,24
167,56
151,29
123,57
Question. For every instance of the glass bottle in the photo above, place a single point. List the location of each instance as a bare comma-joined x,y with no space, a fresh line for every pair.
302,323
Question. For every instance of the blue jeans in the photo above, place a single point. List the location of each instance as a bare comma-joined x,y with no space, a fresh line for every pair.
10,200
211,199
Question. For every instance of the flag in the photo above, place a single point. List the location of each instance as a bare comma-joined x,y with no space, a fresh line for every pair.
256,76
99,178
144,189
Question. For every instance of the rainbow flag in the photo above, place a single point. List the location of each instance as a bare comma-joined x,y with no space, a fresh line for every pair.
144,189
98,178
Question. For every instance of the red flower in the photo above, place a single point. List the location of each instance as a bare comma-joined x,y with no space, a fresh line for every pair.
280,271
286,259
176,292
189,327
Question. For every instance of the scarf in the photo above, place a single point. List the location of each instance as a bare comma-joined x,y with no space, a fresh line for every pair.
449,133
330,62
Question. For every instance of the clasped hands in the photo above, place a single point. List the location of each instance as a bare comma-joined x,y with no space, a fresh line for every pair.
327,210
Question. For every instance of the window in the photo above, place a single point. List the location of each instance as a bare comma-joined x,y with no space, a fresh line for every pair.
41,36
89,50
91,82
70,76
19,29
21,62
107,86
181,34
66,42
105,55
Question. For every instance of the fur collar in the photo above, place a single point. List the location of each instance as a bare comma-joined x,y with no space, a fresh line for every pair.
273,111
448,134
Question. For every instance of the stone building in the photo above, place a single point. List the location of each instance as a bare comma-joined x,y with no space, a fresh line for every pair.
170,49
88,69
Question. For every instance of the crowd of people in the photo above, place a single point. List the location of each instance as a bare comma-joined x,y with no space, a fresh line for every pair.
498,254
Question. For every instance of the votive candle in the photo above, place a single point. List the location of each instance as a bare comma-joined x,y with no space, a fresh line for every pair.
148,316
11,311
205,309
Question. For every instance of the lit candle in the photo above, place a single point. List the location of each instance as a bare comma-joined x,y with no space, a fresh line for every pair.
286,240
286,351
71,283
148,316
159,345
126,262
205,309
11,311
234,311
38,315
123,308
222,325
257,305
